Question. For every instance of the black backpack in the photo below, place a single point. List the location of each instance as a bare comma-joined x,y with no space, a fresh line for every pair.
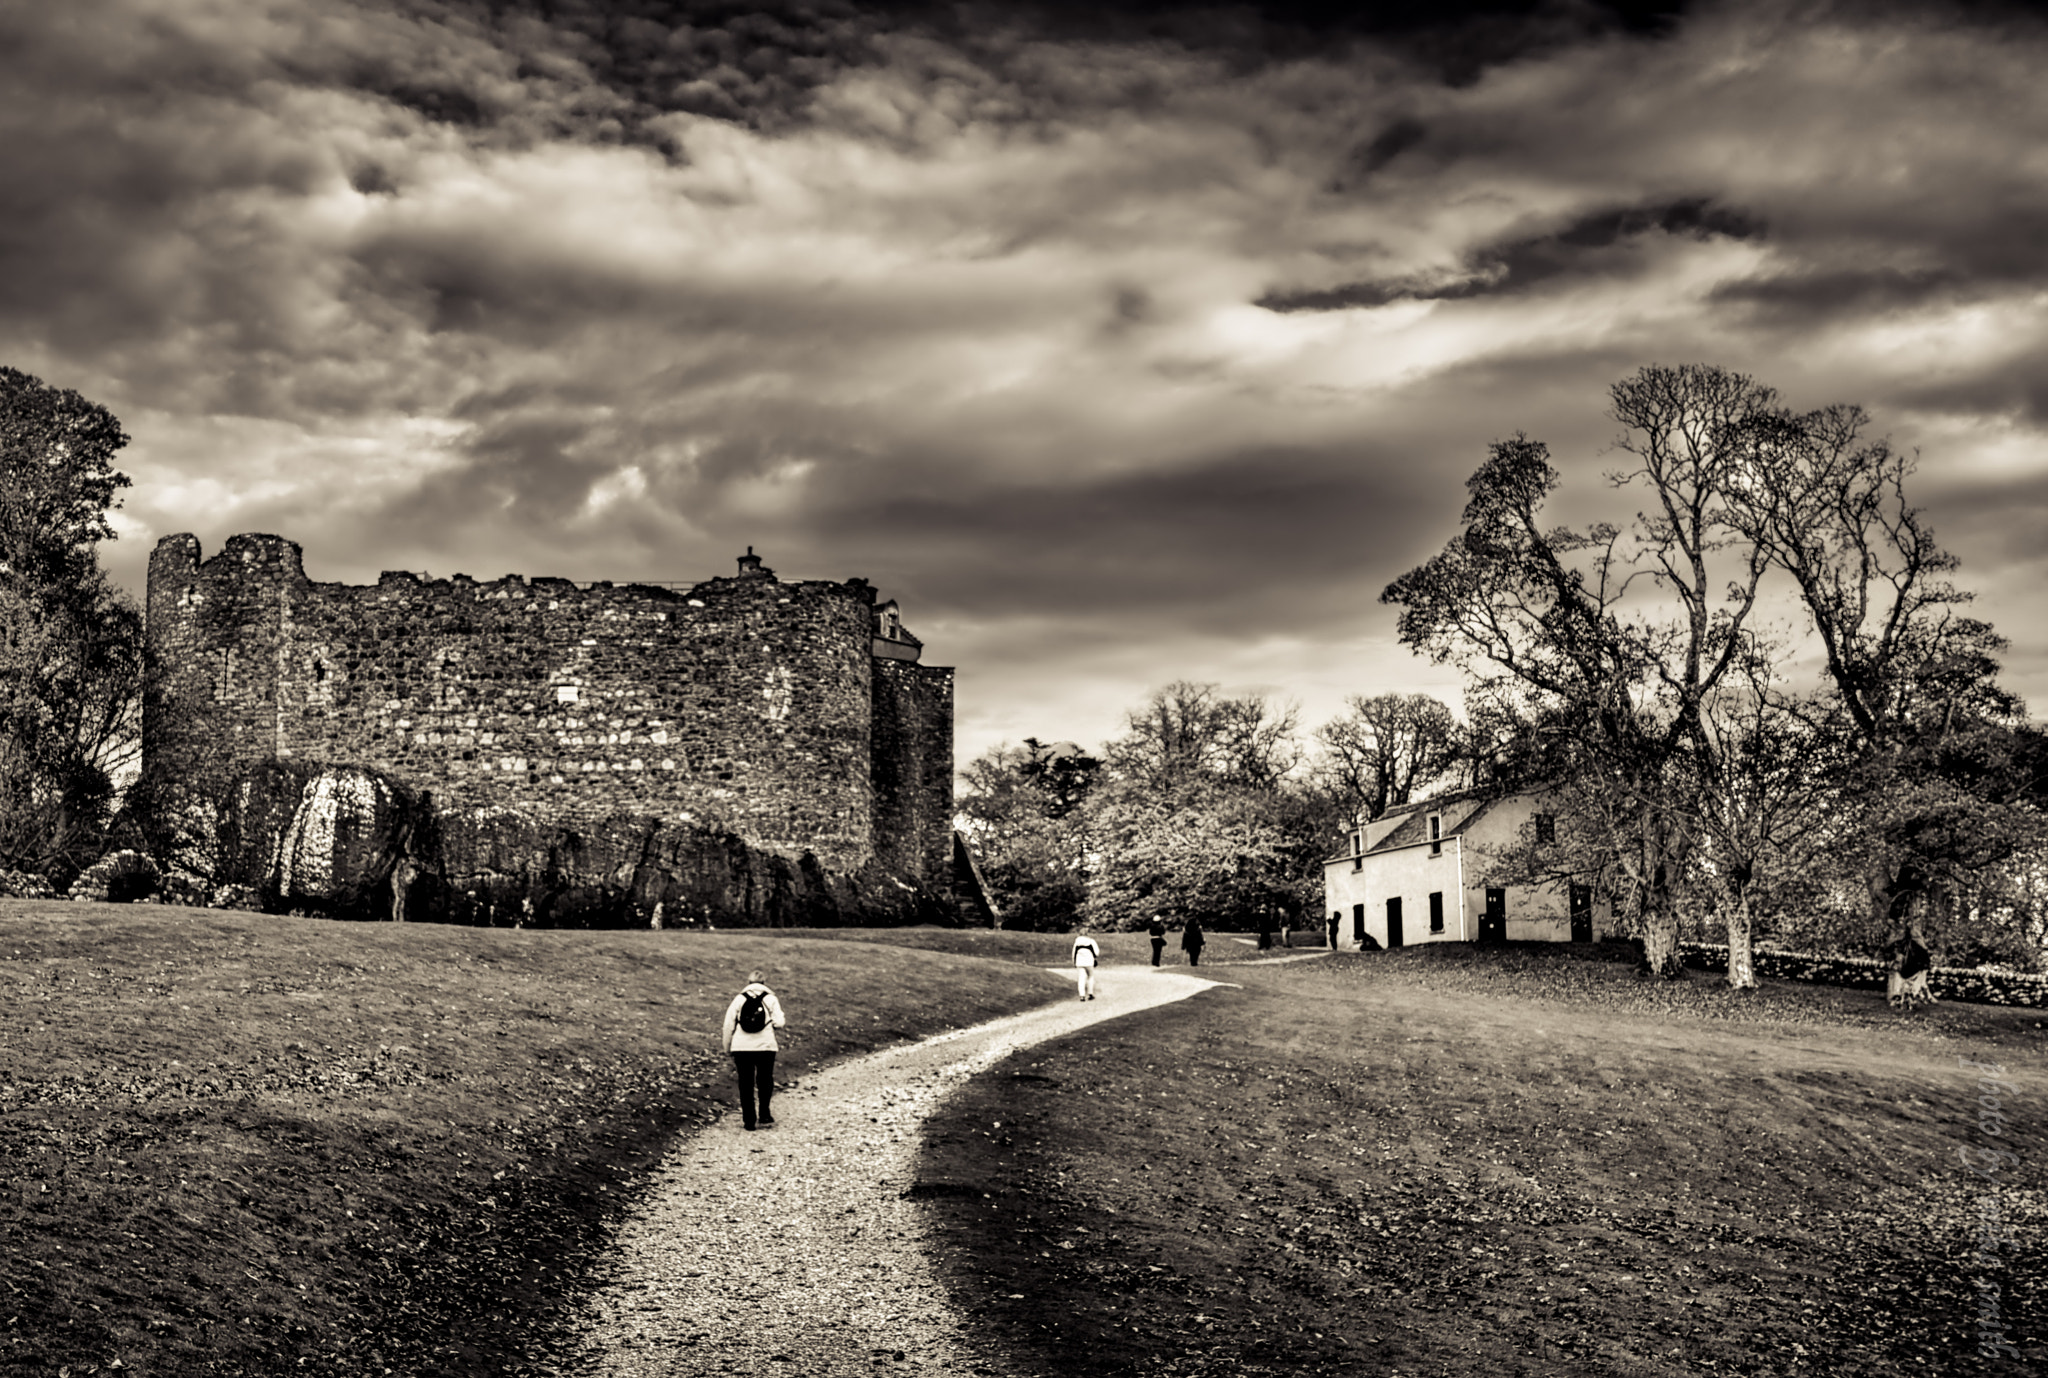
753,1011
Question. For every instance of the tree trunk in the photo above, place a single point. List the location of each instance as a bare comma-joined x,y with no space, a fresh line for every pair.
1656,915
1660,943
1741,958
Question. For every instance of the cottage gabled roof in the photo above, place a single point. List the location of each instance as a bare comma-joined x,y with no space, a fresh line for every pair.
1461,813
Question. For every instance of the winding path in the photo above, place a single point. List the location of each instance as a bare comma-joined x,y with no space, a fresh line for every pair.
792,1250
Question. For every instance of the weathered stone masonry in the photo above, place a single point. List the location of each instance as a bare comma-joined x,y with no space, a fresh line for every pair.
788,713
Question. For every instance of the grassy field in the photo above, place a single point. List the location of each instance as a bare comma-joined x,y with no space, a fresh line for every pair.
232,1144
238,1144
1446,1161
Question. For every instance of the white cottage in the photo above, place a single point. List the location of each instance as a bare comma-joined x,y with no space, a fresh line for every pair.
1418,875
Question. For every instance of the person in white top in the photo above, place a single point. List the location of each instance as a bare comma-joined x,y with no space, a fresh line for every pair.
750,1024
1086,955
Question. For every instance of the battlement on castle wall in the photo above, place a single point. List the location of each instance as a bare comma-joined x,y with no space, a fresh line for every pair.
744,703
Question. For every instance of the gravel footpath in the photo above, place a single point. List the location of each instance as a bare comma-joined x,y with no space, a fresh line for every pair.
792,1250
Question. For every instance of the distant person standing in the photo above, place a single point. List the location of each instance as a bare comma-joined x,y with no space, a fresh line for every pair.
1158,935
1333,931
1086,955
750,1024
1191,941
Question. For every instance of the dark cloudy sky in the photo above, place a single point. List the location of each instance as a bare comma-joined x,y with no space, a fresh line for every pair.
1121,345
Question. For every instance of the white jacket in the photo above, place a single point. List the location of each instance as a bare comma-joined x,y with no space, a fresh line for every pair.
1086,953
737,1039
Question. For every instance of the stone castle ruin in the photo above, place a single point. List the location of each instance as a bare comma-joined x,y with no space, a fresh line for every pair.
742,750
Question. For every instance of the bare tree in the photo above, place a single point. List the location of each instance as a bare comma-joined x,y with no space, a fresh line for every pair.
1186,733
1763,802
1386,747
1616,637
1914,697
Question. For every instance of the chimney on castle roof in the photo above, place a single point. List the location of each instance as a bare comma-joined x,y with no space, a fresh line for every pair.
752,568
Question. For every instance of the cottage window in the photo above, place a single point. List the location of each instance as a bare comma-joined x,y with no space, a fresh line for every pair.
1436,911
1436,834
1546,827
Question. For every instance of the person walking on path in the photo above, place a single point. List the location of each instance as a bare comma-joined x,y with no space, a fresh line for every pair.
1086,955
1158,934
1191,941
750,1024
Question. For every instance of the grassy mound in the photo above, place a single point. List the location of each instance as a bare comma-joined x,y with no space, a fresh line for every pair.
1450,1161
239,1144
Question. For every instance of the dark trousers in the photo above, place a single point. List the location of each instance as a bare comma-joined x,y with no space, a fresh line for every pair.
1158,946
757,1078
1194,956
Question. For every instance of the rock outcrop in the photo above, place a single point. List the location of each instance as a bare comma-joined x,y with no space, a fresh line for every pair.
356,843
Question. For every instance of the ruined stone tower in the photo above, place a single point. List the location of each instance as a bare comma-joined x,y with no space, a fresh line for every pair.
794,715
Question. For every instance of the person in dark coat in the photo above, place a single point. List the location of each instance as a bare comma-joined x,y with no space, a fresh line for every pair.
1191,941
1158,934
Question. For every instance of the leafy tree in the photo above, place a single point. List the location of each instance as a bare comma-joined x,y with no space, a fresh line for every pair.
1207,850
1927,829
1021,807
1202,813
1383,748
70,643
1063,773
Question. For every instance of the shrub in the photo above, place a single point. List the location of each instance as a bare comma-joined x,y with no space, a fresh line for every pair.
25,885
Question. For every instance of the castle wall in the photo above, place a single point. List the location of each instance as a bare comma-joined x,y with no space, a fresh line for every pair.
216,639
742,703
913,767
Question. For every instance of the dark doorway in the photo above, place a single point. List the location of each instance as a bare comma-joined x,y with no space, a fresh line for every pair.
1436,911
1358,923
1394,922
1493,925
1582,913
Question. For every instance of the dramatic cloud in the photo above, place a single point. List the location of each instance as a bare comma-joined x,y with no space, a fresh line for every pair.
1122,345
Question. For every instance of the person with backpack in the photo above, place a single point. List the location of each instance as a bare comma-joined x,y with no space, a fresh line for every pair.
1191,941
1086,955
750,1024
